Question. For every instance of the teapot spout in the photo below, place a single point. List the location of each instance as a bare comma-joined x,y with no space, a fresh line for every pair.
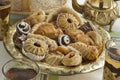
77,7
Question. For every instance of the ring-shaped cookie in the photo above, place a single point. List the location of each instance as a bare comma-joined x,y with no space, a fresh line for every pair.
35,49
67,21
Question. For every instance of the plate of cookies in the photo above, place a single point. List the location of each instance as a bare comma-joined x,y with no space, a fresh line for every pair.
61,42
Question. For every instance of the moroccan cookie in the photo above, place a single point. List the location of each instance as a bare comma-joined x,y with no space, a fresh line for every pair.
35,49
67,21
46,29
52,45
54,58
72,59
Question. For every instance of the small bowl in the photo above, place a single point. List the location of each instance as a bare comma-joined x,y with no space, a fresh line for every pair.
113,48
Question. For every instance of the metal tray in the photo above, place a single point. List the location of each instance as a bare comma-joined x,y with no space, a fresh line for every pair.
58,70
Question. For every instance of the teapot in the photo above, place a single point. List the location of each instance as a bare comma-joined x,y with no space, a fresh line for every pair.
102,12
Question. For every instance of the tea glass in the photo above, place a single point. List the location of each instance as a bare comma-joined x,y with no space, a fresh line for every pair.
112,64
5,7
113,48
20,69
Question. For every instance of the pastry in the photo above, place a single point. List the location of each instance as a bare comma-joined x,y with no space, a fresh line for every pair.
54,15
35,49
78,36
81,47
91,53
96,39
67,21
64,49
54,58
82,38
88,52
46,29
64,39
73,33
36,17
52,45
23,28
72,59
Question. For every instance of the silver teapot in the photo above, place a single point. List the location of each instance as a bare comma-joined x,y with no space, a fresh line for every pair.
102,12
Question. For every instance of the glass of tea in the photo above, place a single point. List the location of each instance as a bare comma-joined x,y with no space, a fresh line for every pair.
20,69
5,7
113,48
112,59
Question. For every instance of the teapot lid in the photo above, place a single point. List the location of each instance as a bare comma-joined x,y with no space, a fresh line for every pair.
101,4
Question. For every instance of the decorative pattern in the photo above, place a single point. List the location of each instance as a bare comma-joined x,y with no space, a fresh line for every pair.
108,75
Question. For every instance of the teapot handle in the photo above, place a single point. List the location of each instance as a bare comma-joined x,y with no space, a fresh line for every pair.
77,7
